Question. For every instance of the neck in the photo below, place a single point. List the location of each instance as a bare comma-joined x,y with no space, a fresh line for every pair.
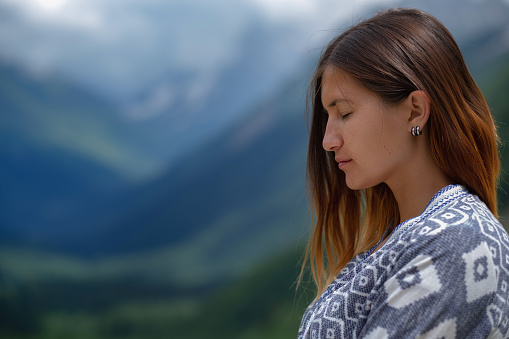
412,204
414,195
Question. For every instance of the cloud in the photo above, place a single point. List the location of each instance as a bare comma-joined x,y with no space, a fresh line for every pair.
315,12
120,46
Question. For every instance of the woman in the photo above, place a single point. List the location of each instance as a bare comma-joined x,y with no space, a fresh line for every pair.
402,167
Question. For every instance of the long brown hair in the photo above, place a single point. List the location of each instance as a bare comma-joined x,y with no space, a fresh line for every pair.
393,54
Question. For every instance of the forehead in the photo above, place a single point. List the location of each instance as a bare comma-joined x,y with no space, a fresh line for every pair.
337,85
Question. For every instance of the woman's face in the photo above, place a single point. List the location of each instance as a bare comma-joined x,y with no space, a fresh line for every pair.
369,138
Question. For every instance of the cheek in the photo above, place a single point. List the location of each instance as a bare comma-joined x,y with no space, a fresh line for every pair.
392,147
381,145
374,139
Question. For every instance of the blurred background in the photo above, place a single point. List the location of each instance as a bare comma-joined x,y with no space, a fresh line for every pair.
152,158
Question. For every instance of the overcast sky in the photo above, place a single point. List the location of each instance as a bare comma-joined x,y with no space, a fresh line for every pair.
120,46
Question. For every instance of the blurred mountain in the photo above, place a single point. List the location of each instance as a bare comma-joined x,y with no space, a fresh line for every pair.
49,112
63,153
71,167
75,173
181,71
184,109
237,199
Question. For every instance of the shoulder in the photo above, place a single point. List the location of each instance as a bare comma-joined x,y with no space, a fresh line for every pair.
462,238
461,225
457,260
467,211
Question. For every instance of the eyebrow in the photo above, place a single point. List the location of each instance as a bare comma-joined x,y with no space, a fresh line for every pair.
336,101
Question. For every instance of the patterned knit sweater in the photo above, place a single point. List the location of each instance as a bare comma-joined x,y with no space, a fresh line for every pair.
443,274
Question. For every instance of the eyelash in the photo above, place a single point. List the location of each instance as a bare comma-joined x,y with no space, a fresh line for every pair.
343,116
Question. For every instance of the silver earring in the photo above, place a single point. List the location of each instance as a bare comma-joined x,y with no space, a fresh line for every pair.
416,131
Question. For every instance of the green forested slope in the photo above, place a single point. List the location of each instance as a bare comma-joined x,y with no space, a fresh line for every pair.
494,83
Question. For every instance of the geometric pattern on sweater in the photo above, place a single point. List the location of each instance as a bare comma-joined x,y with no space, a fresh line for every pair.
445,276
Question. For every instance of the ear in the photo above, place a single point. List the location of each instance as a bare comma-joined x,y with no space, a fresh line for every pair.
419,104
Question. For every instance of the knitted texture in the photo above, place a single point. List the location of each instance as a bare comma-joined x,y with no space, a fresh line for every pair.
443,274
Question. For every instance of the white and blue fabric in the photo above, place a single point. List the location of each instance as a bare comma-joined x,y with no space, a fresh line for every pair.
443,274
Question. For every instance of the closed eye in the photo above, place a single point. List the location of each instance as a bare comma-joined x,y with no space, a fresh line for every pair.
344,116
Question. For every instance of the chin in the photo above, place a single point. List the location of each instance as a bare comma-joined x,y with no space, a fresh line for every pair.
354,186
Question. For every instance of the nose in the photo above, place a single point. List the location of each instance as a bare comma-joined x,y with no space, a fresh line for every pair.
332,140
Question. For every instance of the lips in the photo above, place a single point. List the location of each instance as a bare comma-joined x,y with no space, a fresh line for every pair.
342,162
